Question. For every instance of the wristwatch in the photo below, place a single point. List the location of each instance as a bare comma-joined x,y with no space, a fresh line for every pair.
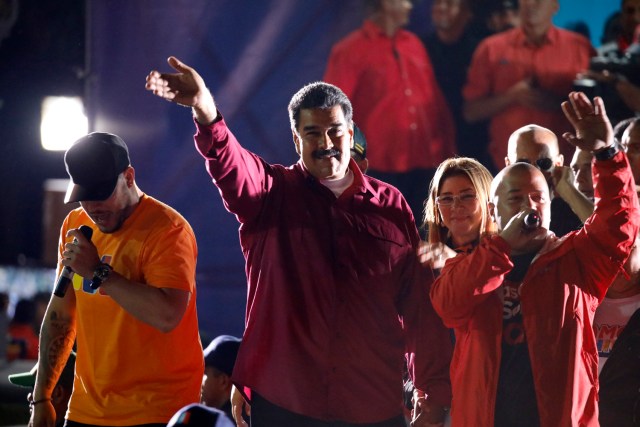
100,275
606,153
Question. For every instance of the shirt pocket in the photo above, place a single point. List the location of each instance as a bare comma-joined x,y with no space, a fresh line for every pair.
380,249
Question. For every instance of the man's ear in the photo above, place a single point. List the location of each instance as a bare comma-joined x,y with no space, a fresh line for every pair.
130,176
352,144
296,141
559,160
507,162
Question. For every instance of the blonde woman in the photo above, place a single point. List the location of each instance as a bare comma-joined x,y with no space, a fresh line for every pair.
456,213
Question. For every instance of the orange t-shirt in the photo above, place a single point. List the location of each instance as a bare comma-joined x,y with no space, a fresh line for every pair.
128,372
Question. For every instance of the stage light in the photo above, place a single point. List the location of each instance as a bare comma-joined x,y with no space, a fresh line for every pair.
63,122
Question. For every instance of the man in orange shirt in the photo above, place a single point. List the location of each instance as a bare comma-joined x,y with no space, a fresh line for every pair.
132,304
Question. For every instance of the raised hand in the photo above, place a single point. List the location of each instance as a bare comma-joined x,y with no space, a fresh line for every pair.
186,87
434,255
593,129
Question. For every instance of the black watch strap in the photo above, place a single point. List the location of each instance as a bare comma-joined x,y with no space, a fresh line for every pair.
607,153
100,274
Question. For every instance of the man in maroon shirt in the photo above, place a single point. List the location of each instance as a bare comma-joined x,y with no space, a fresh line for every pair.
336,297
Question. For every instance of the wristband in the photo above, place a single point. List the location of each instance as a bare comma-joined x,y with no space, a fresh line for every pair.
33,403
606,153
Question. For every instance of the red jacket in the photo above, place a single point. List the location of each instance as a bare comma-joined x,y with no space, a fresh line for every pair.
560,292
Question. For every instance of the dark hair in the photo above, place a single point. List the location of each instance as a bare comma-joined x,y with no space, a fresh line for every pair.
372,6
621,127
318,95
25,311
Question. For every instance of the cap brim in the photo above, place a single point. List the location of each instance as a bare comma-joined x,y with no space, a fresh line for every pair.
80,193
24,379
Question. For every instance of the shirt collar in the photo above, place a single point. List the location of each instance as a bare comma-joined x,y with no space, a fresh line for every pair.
360,182
372,31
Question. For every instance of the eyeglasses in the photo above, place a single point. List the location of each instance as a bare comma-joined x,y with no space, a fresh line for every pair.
464,199
544,164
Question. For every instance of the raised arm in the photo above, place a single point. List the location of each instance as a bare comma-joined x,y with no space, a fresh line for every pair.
186,88
609,234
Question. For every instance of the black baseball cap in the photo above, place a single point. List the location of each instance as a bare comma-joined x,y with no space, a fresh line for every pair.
94,163
221,353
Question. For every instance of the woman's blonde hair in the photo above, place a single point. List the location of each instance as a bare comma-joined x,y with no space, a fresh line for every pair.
480,178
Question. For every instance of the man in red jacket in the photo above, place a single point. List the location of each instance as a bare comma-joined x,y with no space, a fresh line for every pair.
522,303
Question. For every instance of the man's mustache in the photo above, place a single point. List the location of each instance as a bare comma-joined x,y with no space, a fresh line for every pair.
321,154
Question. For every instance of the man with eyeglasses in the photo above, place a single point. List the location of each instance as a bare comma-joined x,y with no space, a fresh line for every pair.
538,146
522,301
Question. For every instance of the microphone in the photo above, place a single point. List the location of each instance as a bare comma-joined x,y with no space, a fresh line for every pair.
67,273
531,221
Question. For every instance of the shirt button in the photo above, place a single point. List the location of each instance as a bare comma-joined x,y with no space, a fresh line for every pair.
408,92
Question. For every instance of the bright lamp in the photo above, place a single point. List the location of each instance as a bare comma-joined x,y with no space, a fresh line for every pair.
63,122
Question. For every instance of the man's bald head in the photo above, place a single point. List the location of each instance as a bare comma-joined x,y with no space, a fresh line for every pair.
516,187
532,142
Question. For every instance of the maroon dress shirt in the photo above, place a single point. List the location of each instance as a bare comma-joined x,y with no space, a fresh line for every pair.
336,297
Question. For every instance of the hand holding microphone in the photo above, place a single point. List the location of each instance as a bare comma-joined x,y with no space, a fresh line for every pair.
524,232
67,272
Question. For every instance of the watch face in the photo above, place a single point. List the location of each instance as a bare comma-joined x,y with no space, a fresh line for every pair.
103,271
100,275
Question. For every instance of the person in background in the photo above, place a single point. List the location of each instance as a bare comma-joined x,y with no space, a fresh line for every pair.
131,305
508,299
359,150
515,77
450,47
4,326
219,360
616,68
386,73
616,323
628,19
538,146
41,300
61,392
336,297
199,415
630,142
501,15
23,340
